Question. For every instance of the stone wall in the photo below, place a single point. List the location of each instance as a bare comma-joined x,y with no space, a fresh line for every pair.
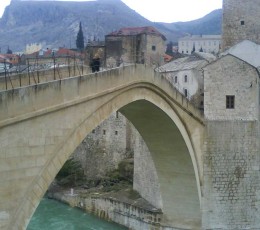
145,175
231,176
137,215
142,48
231,76
155,48
240,22
109,143
103,149
231,187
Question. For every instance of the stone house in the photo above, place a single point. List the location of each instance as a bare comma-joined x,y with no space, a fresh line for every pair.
231,84
199,43
135,45
187,76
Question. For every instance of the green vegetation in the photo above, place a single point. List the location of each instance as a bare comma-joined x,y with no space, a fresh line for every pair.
80,39
71,174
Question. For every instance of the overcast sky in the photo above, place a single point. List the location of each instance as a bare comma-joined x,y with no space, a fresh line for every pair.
163,10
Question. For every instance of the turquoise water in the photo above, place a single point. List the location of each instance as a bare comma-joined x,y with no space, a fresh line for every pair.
52,215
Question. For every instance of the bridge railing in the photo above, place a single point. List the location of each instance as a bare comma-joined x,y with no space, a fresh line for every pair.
33,75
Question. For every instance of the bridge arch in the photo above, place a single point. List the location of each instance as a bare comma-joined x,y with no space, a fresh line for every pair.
80,118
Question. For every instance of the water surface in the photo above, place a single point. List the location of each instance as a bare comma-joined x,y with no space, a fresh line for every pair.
53,215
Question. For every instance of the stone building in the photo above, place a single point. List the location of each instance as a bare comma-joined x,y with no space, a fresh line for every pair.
135,45
200,43
240,22
232,146
236,74
187,76
103,149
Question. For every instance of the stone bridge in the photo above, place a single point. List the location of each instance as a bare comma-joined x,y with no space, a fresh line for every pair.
41,125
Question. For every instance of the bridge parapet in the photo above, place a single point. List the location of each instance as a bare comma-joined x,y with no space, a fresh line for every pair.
30,101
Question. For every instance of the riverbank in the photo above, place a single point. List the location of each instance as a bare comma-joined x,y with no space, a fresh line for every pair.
124,207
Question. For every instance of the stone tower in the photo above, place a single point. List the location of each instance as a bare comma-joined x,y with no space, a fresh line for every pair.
241,21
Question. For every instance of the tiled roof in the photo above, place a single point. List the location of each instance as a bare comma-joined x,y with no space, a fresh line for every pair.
167,57
186,63
247,51
128,31
61,52
64,52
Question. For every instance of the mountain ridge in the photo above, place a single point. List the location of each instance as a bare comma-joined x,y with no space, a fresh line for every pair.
56,22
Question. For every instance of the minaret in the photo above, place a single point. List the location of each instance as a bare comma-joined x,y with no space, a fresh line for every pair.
241,21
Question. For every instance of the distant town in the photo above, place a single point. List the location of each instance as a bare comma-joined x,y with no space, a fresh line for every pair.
144,45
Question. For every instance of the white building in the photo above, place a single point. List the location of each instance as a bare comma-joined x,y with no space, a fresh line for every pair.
200,43
32,48
187,76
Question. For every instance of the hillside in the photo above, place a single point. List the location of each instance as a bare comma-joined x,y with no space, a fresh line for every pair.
56,23
209,24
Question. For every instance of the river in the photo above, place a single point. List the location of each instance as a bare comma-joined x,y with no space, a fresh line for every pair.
53,215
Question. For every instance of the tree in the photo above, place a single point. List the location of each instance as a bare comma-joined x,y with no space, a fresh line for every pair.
169,48
9,51
80,38
193,50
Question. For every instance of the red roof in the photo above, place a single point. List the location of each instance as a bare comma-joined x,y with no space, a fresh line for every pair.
131,31
167,57
64,51
7,57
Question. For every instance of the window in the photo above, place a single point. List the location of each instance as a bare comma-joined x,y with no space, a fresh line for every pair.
117,114
93,131
153,48
185,78
185,92
230,102
104,132
242,23
175,79
116,132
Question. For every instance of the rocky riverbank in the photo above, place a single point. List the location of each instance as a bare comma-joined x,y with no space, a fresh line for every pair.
124,207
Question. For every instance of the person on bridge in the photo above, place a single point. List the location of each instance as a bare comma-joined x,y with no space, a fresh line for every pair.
95,64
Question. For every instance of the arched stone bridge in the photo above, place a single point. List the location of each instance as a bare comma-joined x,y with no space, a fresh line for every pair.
41,125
